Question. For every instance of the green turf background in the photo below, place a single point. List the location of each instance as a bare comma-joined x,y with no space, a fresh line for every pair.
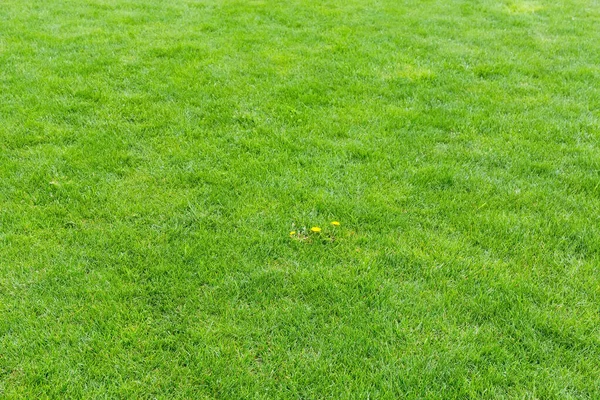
156,154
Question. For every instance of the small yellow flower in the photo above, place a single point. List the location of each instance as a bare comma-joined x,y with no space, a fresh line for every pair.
315,229
292,233
335,223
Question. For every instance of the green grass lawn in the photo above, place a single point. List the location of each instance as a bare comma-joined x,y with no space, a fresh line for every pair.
156,154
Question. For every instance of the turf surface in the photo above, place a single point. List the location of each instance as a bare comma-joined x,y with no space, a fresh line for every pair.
155,156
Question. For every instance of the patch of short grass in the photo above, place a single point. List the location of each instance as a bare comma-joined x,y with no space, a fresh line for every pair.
155,156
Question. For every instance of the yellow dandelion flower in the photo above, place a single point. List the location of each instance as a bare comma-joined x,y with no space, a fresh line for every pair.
335,223
292,233
315,229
